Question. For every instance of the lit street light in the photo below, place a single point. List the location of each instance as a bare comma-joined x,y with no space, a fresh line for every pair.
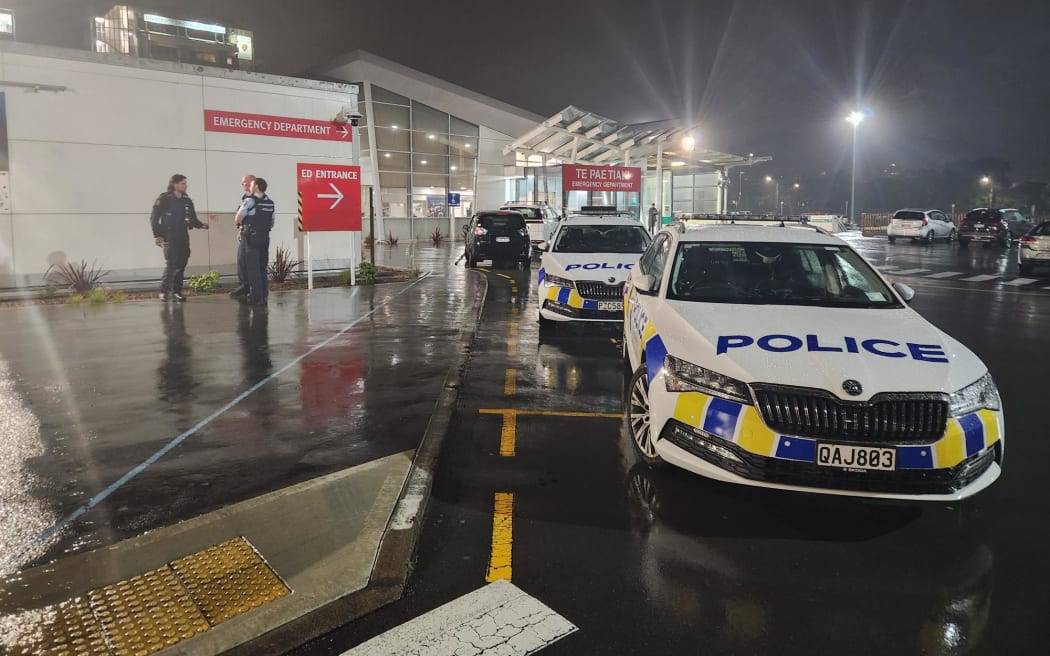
854,119
991,190
777,183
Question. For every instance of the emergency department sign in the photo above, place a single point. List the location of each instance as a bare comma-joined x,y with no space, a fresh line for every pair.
579,177
329,197
275,126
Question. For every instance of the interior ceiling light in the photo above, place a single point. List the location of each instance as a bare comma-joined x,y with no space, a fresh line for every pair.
422,161
431,136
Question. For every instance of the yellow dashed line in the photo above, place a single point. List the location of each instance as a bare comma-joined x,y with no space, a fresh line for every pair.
508,433
512,347
510,382
502,538
550,413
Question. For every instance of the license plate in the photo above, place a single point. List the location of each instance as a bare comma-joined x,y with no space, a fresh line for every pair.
978,225
610,305
847,456
503,240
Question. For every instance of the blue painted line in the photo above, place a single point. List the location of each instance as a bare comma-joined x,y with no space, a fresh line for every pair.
141,467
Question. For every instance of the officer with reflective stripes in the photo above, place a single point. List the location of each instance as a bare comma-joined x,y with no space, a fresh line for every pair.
172,218
256,219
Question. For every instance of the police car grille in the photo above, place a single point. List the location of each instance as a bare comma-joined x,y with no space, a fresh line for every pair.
900,418
600,291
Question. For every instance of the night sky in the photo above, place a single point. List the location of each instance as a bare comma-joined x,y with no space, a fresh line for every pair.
944,79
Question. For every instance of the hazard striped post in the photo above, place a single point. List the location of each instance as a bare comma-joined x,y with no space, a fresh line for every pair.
309,260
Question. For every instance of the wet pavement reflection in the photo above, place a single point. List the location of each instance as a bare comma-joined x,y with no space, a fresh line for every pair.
122,418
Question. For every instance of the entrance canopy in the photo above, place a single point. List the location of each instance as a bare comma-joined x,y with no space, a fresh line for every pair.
575,136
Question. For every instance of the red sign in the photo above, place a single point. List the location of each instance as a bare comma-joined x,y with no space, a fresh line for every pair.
329,197
578,177
275,126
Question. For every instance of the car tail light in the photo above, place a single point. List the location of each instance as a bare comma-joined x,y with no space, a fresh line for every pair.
479,231
925,221
1028,240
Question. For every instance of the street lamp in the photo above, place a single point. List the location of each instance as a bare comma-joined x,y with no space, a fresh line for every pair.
777,183
740,192
854,119
991,190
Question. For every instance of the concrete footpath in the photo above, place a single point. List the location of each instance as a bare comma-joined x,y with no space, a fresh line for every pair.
262,575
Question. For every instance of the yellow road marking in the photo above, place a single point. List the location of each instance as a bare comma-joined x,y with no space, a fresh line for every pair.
550,413
502,537
514,310
512,347
510,382
507,434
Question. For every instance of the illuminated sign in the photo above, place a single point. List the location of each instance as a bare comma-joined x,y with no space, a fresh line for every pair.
578,177
189,25
243,42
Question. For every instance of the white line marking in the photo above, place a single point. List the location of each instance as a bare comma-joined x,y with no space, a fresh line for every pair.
888,268
945,274
908,272
496,619
1017,282
980,278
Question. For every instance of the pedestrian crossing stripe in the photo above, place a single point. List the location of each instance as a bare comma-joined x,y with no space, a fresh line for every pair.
1017,282
980,278
909,272
945,274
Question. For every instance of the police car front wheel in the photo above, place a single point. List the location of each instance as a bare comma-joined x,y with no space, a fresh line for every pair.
637,416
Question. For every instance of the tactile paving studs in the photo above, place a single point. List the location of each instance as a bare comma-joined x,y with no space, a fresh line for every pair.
66,629
147,613
228,579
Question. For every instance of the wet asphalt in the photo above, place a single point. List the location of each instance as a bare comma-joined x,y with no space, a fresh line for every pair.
648,560
123,418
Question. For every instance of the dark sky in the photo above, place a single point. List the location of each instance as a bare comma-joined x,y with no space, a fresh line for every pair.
945,79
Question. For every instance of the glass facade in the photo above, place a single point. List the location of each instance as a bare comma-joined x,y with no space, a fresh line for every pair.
422,154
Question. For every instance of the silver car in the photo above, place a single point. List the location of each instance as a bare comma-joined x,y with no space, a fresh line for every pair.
923,225
1033,249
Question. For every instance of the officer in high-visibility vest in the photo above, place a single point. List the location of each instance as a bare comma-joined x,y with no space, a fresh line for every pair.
256,219
172,218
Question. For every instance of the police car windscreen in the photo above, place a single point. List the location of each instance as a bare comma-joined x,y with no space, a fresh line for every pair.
602,239
757,273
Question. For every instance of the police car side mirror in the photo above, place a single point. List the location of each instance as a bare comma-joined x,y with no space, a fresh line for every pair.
906,292
645,283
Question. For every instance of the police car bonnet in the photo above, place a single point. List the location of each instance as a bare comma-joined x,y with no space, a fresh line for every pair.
821,347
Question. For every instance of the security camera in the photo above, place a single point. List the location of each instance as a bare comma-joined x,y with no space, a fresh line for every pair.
347,115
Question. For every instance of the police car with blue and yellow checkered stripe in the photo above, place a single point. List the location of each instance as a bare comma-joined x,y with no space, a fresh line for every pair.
583,267
776,356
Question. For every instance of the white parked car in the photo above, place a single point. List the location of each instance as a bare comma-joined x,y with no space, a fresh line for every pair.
922,225
584,265
778,357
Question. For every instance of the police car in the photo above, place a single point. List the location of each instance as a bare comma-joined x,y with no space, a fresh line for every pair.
584,265
776,356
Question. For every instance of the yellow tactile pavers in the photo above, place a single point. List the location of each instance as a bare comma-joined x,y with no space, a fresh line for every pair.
149,612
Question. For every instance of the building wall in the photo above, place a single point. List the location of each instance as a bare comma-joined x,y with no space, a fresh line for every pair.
86,163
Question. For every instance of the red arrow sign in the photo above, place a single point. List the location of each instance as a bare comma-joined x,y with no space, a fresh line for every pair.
274,126
330,195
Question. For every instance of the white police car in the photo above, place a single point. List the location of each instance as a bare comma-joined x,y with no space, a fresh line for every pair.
778,357
583,267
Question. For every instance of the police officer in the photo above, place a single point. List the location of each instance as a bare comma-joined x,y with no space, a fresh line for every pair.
256,219
172,218
654,218
242,254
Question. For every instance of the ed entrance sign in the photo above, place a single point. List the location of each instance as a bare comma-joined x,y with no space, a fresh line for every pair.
329,197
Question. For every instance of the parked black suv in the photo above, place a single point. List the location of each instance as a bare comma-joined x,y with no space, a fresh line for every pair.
499,236
985,225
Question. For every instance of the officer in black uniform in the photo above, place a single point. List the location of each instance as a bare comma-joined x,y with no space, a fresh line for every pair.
172,218
256,218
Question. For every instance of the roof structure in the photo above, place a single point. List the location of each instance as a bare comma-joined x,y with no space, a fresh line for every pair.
576,136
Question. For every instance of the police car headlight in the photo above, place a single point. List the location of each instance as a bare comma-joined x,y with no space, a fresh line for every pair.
558,281
685,376
976,396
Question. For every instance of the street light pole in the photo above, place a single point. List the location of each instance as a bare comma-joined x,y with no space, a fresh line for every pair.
776,183
855,119
740,193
